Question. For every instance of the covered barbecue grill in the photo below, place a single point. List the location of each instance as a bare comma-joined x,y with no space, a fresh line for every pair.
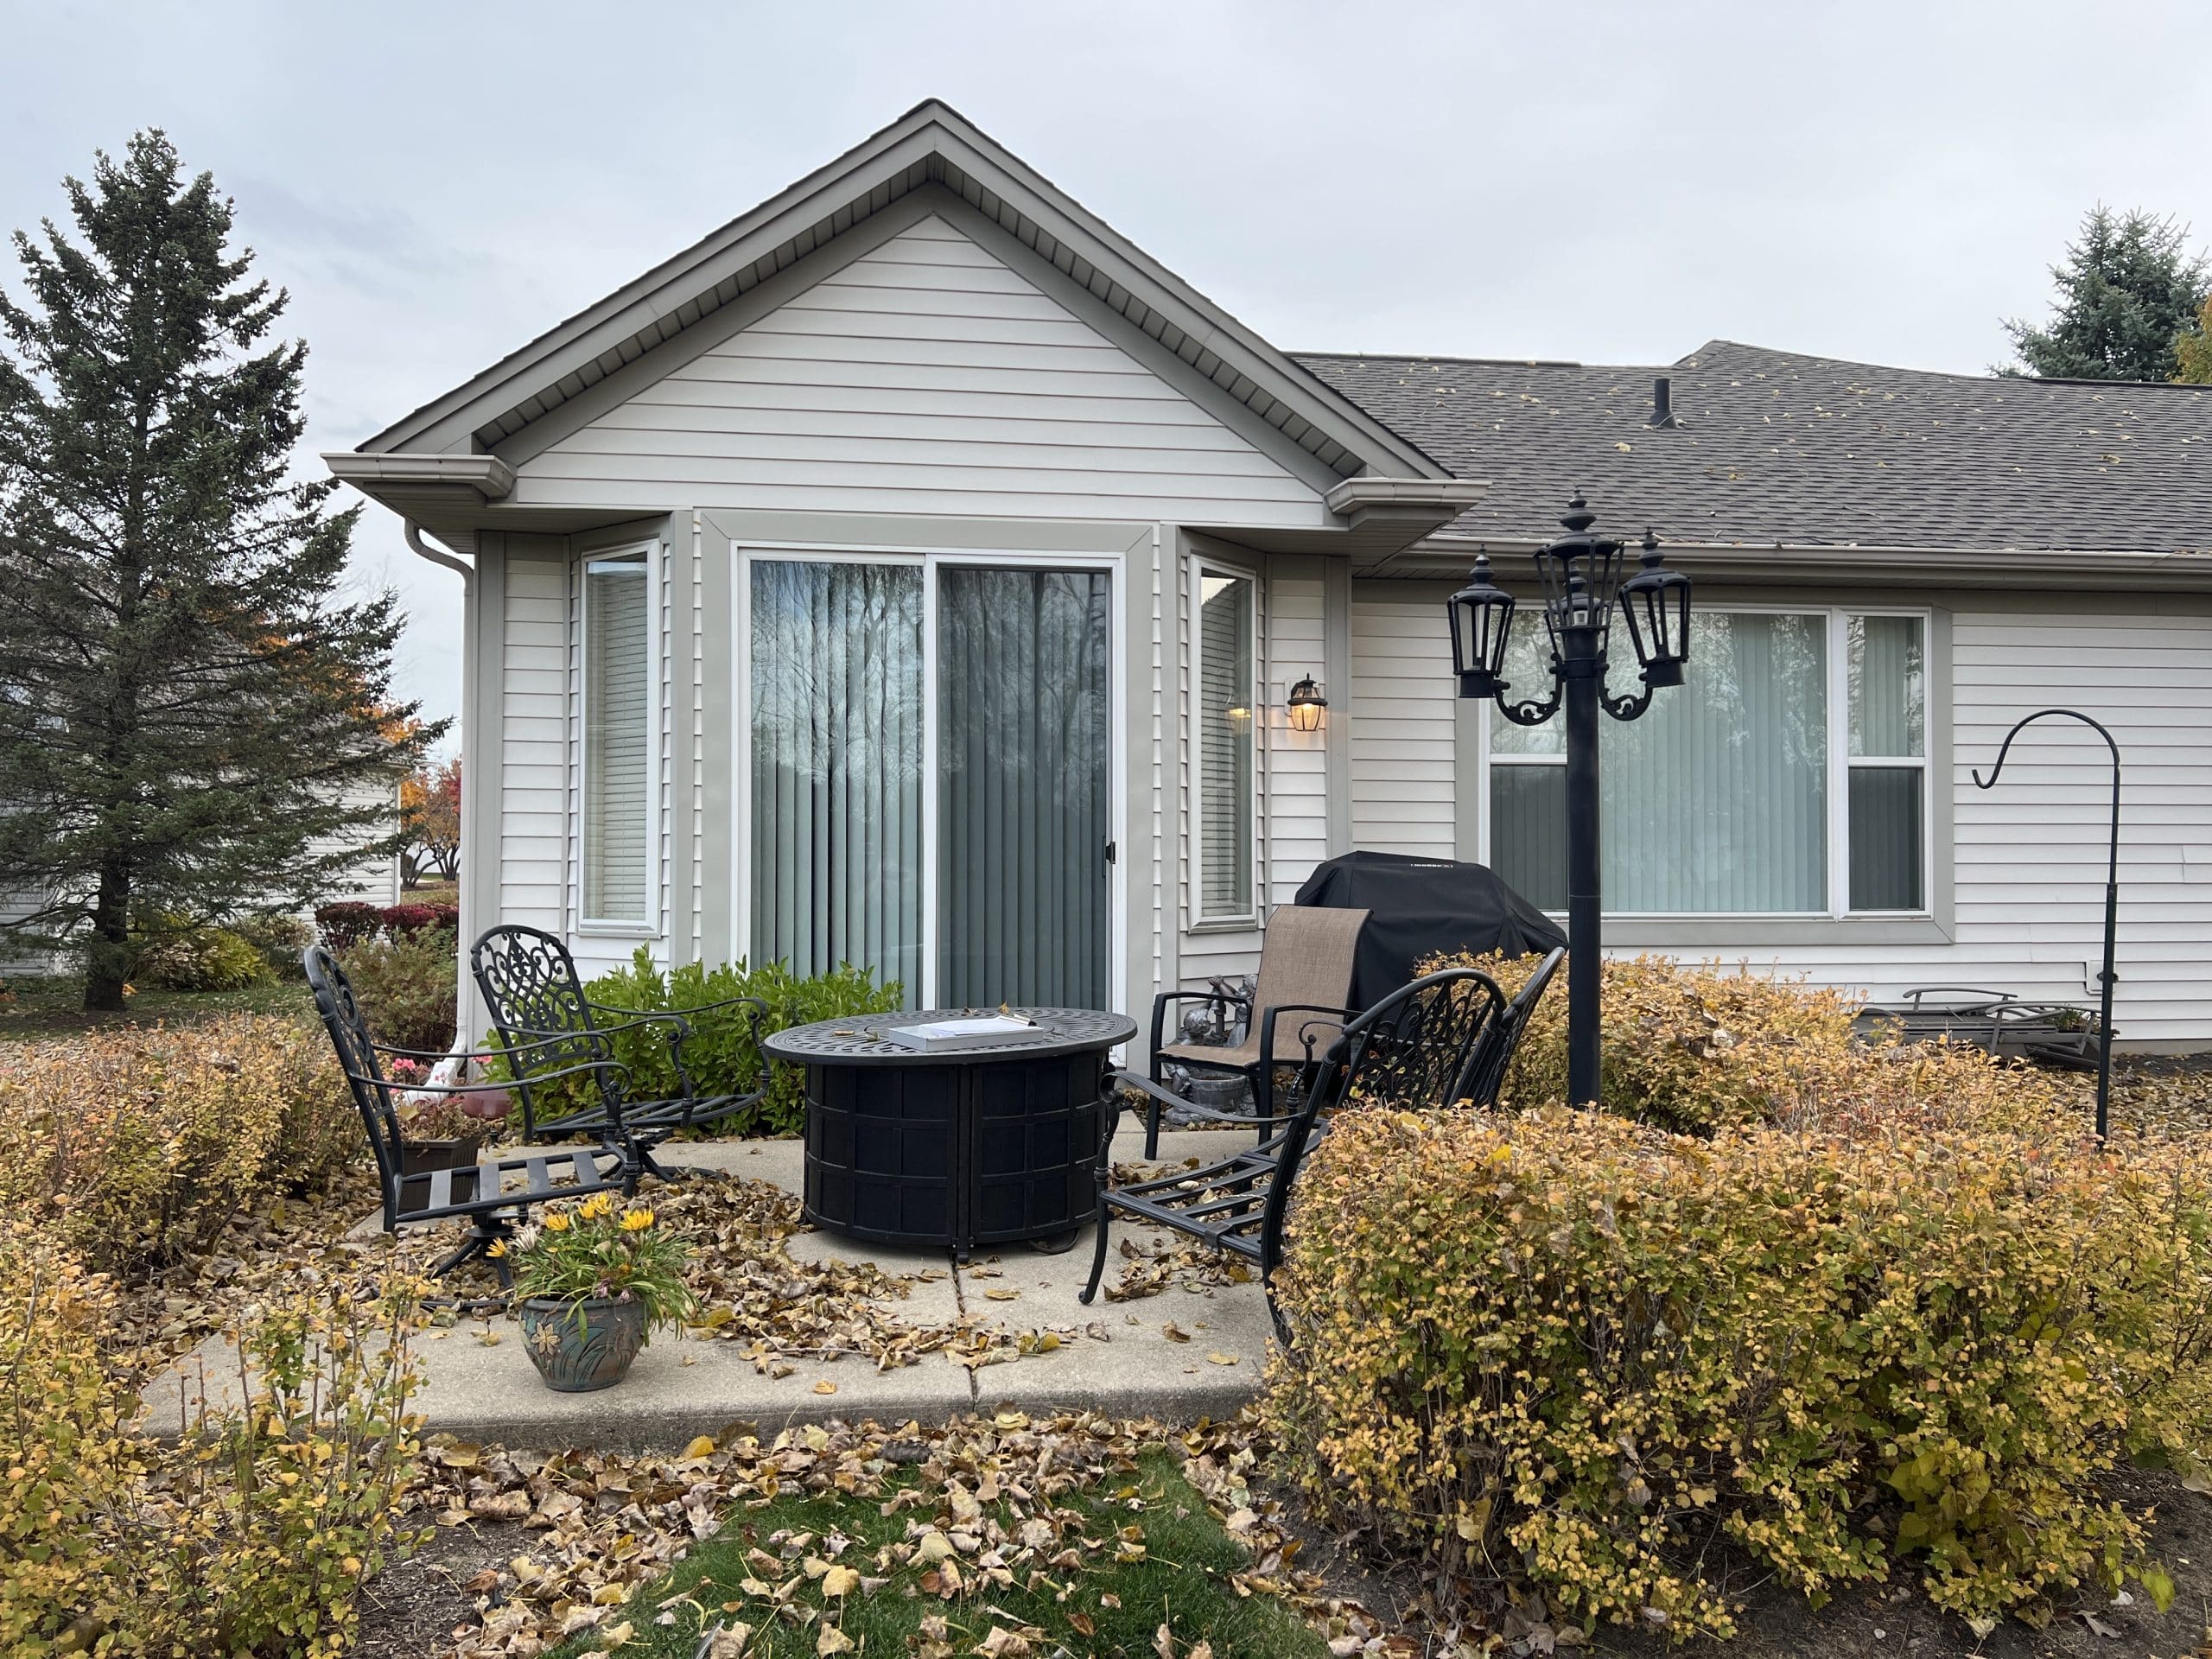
1418,907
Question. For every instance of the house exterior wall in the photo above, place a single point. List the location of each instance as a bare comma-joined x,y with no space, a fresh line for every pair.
2024,910
370,880
927,385
925,375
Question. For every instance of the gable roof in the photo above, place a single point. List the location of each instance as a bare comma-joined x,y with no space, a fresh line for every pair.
931,144
1773,447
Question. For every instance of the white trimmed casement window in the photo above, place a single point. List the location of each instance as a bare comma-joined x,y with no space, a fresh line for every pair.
1225,675
618,740
1787,777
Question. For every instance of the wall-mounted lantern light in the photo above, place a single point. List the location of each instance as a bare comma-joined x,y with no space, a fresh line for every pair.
1305,706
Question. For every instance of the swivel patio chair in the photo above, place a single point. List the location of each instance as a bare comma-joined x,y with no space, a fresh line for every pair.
1305,964
1412,1049
537,1004
489,1196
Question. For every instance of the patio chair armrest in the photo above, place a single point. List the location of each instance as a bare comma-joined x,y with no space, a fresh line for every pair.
535,1078
419,1053
1342,1017
1915,995
1162,999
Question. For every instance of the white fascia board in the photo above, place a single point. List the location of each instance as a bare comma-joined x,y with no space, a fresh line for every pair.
488,475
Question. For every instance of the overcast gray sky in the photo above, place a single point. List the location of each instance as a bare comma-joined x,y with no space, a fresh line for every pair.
435,183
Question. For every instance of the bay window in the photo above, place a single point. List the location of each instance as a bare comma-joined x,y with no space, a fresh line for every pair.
1786,777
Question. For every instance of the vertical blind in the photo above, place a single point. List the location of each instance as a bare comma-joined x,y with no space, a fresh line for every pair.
1021,787
837,736
1716,800
1224,721
617,693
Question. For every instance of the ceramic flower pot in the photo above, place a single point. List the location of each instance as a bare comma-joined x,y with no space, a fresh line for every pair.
574,1354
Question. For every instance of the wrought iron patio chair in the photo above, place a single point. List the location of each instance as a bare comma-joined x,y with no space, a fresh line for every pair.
490,1196
536,1001
1306,962
2062,1034
1412,1049
1493,1052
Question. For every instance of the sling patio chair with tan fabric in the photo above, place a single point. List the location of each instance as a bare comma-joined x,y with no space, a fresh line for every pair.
1305,964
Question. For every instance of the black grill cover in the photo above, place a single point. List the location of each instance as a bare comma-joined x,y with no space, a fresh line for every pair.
1421,906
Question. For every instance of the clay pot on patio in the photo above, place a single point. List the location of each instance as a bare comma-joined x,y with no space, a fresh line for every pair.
578,1346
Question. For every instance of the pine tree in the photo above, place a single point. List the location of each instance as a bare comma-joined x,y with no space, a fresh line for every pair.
189,707
2127,291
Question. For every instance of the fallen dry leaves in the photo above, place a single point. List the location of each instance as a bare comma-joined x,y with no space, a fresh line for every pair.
984,1501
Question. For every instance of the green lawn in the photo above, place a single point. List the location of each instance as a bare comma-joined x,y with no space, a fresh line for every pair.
1126,1561
53,1007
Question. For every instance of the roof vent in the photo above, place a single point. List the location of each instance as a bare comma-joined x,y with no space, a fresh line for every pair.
1662,402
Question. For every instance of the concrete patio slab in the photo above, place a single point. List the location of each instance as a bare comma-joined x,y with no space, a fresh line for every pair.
1119,1357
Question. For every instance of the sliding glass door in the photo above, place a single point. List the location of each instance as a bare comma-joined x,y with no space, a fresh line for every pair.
837,682
928,771
1021,787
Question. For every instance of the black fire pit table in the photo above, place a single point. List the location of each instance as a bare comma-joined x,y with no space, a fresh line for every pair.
964,1149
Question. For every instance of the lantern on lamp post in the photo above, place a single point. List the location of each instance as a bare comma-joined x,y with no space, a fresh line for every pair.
1581,575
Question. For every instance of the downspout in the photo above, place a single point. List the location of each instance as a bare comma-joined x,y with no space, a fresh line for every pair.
470,928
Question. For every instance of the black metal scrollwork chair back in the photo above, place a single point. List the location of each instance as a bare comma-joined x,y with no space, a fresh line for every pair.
489,1196
1494,1050
538,1008
1412,1049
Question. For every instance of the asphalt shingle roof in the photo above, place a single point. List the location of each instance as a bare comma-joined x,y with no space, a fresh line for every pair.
1773,446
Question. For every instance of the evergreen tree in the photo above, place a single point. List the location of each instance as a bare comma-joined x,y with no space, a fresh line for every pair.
2128,292
191,713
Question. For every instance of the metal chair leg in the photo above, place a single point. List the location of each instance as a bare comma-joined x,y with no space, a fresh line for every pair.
1097,1254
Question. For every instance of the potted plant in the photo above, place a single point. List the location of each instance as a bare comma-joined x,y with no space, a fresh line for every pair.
594,1281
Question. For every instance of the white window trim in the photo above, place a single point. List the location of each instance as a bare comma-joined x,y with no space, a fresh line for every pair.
1840,763
1201,919
645,556
930,561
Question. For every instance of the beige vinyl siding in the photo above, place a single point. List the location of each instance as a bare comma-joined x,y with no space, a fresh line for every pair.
532,742
926,376
1403,720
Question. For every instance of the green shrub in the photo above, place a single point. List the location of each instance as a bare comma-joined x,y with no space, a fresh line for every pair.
251,1535
201,959
720,1054
409,986
133,1147
1566,1345
279,939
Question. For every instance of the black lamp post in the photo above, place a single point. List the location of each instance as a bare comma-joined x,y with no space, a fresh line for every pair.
1581,575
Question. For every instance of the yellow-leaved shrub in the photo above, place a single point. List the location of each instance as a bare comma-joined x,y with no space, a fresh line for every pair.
248,1535
1919,1320
133,1148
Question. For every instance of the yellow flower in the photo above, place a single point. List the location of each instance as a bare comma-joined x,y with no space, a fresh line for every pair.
636,1221
497,1247
599,1204
556,1222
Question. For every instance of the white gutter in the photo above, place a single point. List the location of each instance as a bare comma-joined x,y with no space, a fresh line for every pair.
470,927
